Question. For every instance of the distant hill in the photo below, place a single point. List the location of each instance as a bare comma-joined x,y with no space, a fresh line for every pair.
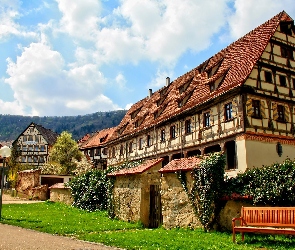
11,126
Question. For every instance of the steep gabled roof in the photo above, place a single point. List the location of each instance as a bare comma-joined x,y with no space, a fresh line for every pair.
183,164
138,169
228,69
98,138
48,134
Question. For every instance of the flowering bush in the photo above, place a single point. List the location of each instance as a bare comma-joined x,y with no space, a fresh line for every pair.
272,185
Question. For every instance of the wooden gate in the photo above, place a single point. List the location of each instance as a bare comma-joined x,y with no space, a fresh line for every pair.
155,218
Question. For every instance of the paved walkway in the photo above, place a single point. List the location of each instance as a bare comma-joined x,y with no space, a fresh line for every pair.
16,238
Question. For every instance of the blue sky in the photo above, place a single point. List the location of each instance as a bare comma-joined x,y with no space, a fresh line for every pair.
64,57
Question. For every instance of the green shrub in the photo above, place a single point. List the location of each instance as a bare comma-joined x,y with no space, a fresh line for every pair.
272,185
90,190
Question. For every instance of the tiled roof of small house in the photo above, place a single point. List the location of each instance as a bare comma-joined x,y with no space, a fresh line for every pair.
49,135
59,186
183,164
98,138
139,169
229,69
83,139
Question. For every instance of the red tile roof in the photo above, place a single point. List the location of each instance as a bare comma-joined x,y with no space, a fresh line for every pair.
59,186
139,169
235,65
98,138
183,164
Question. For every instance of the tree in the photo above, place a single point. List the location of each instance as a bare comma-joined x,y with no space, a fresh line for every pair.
62,155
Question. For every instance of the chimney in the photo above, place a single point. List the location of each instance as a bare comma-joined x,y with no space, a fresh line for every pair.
167,81
150,92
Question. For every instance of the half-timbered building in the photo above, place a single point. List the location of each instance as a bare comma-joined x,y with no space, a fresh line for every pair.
94,147
240,101
34,144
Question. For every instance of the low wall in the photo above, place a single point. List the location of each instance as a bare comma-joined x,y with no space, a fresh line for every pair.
60,193
127,197
177,210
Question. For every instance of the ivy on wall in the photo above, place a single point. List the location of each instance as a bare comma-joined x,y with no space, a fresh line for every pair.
207,187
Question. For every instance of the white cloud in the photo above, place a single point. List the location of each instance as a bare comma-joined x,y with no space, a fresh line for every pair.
247,14
12,108
160,79
120,80
39,81
160,31
80,17
128,106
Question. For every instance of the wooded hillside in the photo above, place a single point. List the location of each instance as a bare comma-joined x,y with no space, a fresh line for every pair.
11,126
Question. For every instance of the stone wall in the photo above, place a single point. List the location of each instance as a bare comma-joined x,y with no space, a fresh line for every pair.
176,208
232,209
60,193
127,197
132,195
28,185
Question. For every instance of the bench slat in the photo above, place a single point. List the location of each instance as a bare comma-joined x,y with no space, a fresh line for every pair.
272,220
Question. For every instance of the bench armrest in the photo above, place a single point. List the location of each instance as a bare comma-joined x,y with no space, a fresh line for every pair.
235,219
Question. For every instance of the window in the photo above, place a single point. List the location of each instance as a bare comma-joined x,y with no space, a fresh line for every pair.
162,135
281,113
105,151
149,140
207,119
293,83
140,144
91,152
121,149
30,159
41,159
113,152
283,82
24,159
30,138
30,148
188,127
287,52
130,147
35,159
256,108
172,132
97,151
25,148
228,108
36,148
286,28
268,76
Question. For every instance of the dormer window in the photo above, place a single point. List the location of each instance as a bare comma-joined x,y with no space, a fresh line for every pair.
212,87
134,113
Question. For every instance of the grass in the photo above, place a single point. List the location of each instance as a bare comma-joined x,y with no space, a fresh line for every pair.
60,219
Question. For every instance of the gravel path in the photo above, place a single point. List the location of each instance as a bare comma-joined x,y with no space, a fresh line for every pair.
16,238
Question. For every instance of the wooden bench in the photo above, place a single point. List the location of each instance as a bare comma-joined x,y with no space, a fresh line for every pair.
268,220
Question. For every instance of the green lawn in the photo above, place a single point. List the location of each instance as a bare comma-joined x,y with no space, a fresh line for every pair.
56,218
